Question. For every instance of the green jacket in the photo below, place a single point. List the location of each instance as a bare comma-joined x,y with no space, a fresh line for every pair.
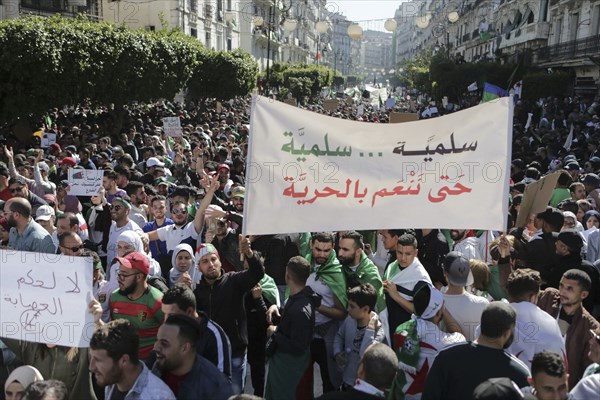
366,272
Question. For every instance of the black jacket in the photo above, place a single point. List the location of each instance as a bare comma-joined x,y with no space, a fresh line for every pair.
223,302
295,330
540,254
432,251
574,261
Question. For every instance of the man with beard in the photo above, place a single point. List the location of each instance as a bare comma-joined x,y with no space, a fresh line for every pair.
188,375
221,296
458,370
183,231
115,364
18,188
136,301
109,182
467,246
158,248
357,267
26,234
327,280
139,209
119,213
565,304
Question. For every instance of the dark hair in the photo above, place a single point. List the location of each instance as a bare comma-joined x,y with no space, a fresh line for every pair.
158,197
549,363
421,297
110,174
380,365
71,217
68,234
396,232
181,295
133,187
21,207
189,329
182,191
564,179
323,237
356,237
582,278
150,149
121,170
299,269
569,205
497,318
407,239
118,338
363,295
574,186
51,388
522,283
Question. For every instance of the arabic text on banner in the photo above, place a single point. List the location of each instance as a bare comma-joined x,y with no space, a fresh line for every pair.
310,172
44,298
85,182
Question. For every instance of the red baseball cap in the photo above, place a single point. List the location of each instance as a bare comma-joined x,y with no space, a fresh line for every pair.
136,261
70,161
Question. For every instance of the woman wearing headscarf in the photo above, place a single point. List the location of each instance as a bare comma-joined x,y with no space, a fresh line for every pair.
19,379
184,270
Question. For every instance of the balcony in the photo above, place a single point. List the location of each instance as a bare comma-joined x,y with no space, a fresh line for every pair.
527,33
585,47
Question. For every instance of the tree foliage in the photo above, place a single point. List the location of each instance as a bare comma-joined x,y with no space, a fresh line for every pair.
223,75
542,84
305,80
51,62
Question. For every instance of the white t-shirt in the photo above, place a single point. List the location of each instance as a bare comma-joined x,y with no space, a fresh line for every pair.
113,235
320,287
535,331
173,235
587,388
466,310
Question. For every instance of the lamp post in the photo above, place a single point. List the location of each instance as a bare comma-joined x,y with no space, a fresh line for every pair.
422,22
288,25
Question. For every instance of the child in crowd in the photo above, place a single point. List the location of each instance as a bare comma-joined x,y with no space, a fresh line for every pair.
360,329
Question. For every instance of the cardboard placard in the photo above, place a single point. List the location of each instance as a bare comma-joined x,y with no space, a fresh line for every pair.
398,117
536,197
330,105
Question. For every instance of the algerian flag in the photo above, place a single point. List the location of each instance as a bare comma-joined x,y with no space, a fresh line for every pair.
406,340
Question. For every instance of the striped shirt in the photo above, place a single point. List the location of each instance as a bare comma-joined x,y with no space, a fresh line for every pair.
144,314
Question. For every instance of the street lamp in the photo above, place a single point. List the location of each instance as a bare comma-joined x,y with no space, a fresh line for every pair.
322,27
422,22
270,25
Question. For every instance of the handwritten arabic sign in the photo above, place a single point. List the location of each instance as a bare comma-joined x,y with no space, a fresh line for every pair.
44,298
85,182
172,126
326,174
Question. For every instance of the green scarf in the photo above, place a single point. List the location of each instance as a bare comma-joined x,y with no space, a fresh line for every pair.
331,273
408,356
391,271
367,273
269,290
304,244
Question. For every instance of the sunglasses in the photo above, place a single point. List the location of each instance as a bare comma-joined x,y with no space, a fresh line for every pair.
123,276
17,189
75,248
179,211
116,207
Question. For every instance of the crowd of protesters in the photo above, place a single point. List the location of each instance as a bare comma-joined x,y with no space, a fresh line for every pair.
187,308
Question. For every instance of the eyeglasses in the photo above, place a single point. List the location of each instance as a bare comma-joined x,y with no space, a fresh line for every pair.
74,248
123,276
115,207
179,211
17,189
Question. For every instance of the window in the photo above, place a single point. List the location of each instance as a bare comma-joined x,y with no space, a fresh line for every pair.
194,33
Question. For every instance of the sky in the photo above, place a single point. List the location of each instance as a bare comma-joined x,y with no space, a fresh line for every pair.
356,10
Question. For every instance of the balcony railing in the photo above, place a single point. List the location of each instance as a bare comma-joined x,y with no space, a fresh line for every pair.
589,46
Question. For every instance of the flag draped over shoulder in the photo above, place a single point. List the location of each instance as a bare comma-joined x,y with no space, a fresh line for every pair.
491,92
408,348
331,273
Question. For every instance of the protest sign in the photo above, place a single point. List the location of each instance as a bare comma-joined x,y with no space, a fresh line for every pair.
85,182
291,102
44,298
48,139
172,126
397,117
536,197
330,105
330,174
219,107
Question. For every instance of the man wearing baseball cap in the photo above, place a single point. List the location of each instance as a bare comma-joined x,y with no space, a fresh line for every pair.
136,301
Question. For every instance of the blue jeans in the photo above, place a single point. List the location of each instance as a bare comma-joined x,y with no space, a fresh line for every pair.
238,373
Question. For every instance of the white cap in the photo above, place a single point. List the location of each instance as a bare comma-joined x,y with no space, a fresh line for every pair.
154,162
44,213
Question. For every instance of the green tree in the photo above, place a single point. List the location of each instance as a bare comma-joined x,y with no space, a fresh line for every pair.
223,75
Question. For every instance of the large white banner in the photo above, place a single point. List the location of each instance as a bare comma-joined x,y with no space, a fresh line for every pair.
44,298
310,172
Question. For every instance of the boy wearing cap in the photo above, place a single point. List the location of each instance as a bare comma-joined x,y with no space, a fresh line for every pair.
466,307
136,301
